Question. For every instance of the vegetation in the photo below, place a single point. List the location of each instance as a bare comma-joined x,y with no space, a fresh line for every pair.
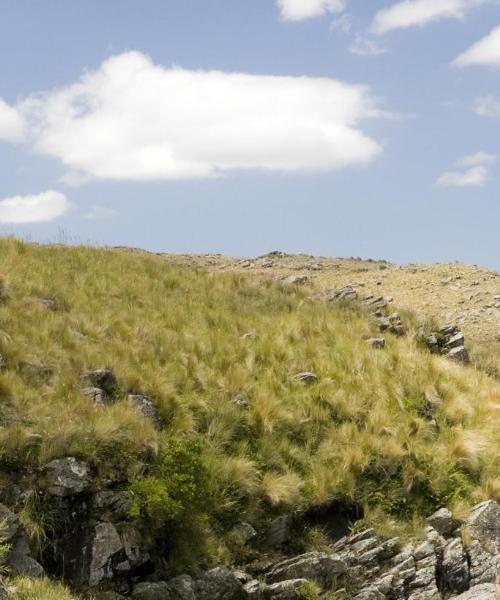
398,431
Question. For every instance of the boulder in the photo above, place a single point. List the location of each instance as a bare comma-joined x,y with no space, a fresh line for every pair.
101,378
296,280
19,560
459,354
455,567
147,408
347,293
182,588
219,584
443,522
483,524
485,591
319,567
284,590
67,477
97,395
278,532
152,591
106,544
114,505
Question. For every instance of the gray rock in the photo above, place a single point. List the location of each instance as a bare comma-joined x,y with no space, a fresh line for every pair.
253,589
107,595
459,354
245,532
442,520
483,566
145,405
152,591
284,590
97,395
133,545
19,560
455,568
182,588
296,280
485,591
347,293
113,505
376,342
306,377
319,567
105,545
67,477
483,524
101,378
278,532
455,340
9,523
219,584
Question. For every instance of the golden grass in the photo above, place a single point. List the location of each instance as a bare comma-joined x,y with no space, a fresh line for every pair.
360,433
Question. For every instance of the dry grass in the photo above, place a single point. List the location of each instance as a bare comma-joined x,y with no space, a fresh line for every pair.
270,443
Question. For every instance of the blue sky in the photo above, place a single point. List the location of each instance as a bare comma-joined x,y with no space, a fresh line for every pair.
340,128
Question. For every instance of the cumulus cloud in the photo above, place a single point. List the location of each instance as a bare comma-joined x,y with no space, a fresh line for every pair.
11,123
131,119
33,209
480,158
472,171
342,24
418,13
487,106
485,52
365,46
298,10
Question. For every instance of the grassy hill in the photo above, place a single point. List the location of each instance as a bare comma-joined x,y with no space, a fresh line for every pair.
396,432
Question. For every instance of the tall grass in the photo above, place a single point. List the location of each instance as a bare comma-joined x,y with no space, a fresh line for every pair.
363,432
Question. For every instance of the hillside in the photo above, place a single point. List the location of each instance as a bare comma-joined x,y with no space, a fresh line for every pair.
163,415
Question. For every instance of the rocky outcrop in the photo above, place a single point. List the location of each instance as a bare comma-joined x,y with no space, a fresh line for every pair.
67,477
449,341
19,558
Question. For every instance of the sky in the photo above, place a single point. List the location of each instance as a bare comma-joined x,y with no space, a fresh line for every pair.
329,127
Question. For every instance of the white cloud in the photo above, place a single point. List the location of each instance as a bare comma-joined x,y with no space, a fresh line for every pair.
342,24
297,10
11,123
487,106
33,209
134,120
480,158
365,46
475,176
97,211
418,13
471,171
486,52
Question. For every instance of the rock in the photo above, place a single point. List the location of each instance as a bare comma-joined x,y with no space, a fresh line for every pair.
49,303
107,595
296,280
284,590
483,524
146,407
241,401
152,591
433,344
459,354
182,588
485,591
9,522
20,562
347,293
319,567
443,522
245,532
101,378
483,566
306,377
133,545
219,584
105,545
97,395
455,341
67,477
454,567
113,505
376,342
278,532
253,589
